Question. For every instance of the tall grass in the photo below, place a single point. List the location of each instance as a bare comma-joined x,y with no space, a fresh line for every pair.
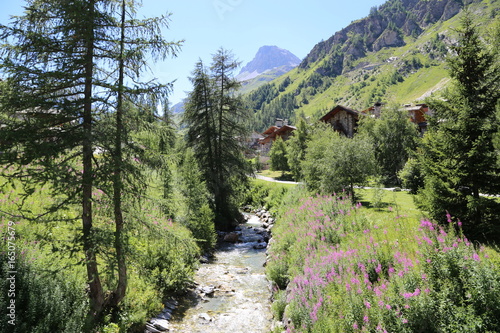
344,271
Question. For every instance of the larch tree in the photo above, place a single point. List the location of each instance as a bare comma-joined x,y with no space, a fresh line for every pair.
215,116
67,65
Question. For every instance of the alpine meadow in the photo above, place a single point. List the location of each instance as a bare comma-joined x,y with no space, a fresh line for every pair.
353,190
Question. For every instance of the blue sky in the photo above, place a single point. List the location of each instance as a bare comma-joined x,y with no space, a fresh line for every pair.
241,26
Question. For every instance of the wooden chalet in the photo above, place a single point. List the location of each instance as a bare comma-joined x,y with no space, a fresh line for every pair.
343,120
280,129
417,115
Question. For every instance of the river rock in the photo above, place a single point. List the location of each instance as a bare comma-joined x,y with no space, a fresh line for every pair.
165,315
161,324
204,260
171,304
231,237
151,329
260,246
208,290
205,316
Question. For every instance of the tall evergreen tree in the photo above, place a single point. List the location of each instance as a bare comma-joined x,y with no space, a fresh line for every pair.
215,117
66,72
296,148
459,157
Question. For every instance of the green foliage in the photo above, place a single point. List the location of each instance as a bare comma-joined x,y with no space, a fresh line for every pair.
278,155
296,148
44,302
411,175
459,158
334,163
378,196
394,138
215,117
359,273
262,193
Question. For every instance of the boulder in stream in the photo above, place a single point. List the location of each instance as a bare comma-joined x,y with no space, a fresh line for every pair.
231,237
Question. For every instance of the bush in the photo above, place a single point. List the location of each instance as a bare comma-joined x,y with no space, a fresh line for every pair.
411,176
349,274
43,302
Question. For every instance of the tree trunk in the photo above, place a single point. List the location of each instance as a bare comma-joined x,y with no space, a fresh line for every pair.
96,293
121,288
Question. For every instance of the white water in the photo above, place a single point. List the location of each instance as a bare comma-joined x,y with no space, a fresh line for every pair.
241,301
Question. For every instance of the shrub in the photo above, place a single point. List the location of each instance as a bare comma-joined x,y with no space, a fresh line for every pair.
348,274
44,302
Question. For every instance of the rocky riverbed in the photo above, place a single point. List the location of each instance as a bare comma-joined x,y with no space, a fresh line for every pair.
231,292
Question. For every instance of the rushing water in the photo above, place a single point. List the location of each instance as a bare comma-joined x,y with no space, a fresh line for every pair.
233,293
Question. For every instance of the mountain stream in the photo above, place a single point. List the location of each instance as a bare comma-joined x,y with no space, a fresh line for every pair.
232,293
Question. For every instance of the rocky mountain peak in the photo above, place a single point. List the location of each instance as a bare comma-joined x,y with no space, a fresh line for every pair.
266,59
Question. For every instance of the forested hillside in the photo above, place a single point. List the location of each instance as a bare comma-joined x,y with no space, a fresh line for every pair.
396,54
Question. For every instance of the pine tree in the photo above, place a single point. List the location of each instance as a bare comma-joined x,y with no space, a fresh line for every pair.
66,72
459,157
215,117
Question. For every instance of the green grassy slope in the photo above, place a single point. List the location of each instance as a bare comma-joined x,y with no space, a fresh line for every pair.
401,75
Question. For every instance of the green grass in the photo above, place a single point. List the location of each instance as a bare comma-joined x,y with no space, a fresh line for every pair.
51,250
431,78
393,202
351,269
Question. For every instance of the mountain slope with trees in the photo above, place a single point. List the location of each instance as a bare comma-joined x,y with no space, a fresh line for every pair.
394,55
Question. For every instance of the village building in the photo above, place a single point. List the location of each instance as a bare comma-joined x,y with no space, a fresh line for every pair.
416,113
279,129
343,120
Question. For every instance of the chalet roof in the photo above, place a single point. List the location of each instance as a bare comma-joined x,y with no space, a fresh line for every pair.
270,130
336,110
282,130
416,107
286,128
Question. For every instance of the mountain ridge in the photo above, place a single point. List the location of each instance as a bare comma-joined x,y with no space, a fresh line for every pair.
394,55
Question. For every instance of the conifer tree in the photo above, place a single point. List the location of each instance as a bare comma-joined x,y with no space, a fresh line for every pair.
459,159
66,71
215,117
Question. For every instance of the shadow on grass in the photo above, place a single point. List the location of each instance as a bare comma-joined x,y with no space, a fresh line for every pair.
286,177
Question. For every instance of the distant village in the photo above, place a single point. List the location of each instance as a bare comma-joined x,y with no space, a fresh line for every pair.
342,119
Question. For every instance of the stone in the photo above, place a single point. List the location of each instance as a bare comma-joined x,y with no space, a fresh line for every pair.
260,246
231,237
151,329
204,260
208,290
205,316
161,324
165,315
